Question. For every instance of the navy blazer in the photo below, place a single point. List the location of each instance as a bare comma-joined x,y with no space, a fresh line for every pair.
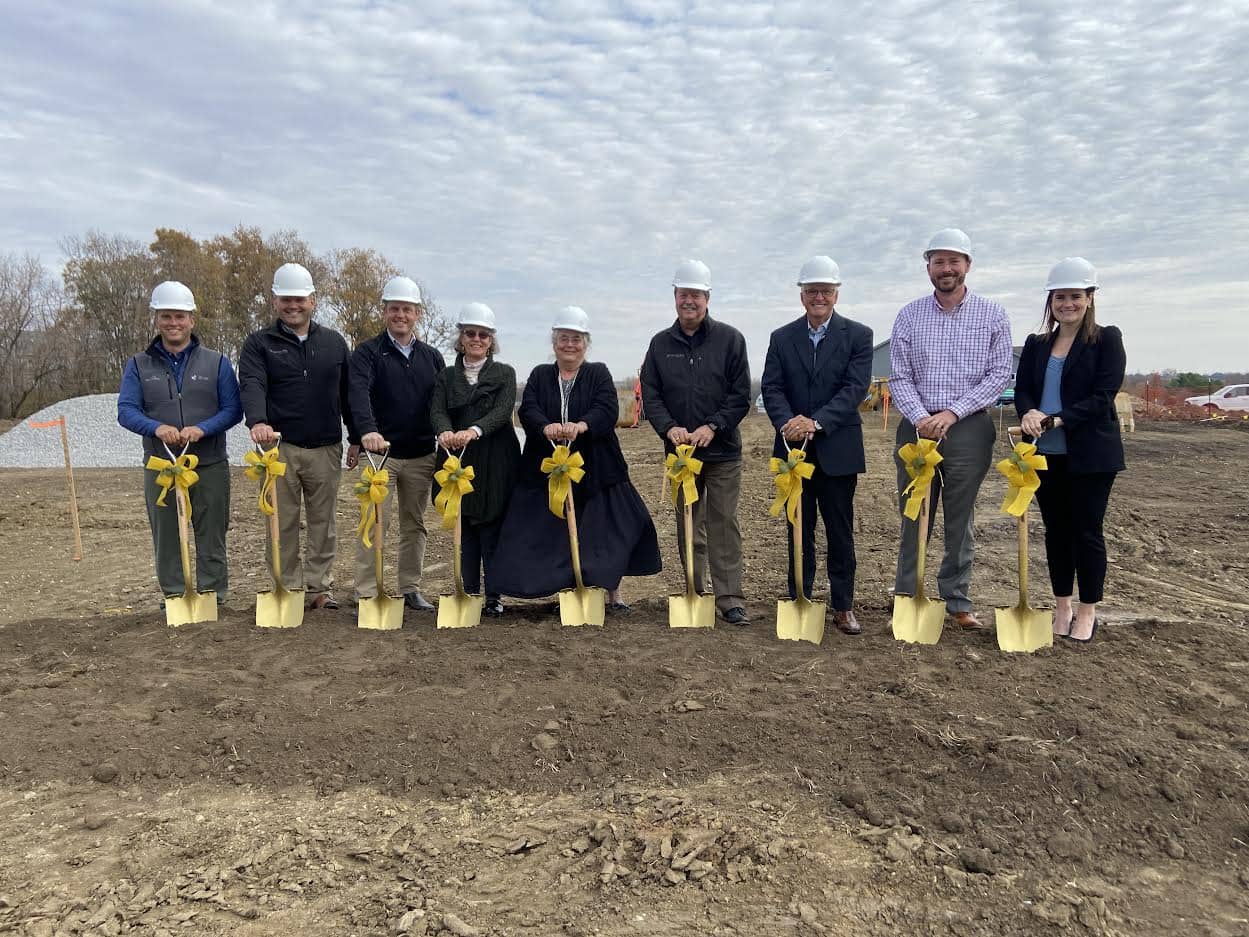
825,382
1092,375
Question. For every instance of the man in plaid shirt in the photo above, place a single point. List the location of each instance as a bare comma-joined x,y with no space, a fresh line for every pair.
950,355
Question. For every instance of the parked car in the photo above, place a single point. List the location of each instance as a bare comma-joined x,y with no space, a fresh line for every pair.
1231,397
759,408
1006,398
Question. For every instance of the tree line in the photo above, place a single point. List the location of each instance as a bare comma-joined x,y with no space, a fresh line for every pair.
68,336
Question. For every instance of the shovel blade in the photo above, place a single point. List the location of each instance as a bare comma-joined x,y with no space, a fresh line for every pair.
459,611
691,611
583,606
917,620
279,609
380,614
1023,630
190,607
800,620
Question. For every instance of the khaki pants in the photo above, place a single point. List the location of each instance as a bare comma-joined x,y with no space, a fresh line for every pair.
311,482
410,481
717,535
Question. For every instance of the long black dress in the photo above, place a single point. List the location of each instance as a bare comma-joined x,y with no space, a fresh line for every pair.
615,530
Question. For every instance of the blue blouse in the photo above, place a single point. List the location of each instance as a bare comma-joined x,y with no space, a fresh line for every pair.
1054,441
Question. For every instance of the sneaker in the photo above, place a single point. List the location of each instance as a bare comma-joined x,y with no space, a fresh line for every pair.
493,608
736,616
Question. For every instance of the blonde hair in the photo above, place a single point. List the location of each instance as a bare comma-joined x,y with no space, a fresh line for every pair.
458,348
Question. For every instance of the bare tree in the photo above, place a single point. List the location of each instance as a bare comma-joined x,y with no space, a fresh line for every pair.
29,298
108,281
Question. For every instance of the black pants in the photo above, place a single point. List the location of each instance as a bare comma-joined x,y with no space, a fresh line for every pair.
1073,508
834,496
479,543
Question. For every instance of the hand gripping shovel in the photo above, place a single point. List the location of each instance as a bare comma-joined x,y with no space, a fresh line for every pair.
580,605
279,607
382,613
191,606
460,610
918,619
1022,628
797,619
689,610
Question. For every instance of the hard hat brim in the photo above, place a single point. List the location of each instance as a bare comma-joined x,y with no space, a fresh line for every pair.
701,287
290,292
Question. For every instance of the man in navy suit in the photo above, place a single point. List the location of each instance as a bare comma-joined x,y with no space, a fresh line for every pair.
816,373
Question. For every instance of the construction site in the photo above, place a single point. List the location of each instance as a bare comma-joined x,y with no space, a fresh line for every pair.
521,777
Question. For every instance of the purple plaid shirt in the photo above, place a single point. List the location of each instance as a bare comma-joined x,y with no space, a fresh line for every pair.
958,360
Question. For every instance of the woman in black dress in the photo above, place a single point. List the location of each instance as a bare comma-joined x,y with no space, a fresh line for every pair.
1065,391
472,407
573,401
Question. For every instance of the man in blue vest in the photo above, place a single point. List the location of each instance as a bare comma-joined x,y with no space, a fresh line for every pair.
178,393
816,373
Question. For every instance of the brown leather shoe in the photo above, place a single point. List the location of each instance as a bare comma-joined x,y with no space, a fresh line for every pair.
324,601
966,620
846,623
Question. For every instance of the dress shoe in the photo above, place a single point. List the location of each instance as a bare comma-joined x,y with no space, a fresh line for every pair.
493,608
324,600
846,623
417,602
736,616
965,620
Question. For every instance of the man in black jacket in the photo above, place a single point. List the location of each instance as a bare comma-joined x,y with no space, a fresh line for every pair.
816,373
696,390
392,379
294,383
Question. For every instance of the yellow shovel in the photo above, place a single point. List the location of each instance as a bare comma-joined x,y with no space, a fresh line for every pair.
460,610
580,605
382,613
1022,628
689,610
918,619
279,607
191,606
797,619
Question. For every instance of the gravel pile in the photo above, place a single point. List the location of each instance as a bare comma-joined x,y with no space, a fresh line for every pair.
95,438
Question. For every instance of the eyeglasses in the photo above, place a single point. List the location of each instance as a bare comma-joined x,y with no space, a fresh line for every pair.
476,333
820,290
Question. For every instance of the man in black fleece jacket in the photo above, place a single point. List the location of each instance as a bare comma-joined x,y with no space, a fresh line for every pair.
696,390
293,377
392,378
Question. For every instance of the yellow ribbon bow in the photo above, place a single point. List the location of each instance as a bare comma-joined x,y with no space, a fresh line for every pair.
789,473
920,458
180,472
456,481
682,469
370,492
563,467
1021,472
264,468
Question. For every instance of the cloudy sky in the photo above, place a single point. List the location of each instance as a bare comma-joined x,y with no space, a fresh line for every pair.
534,155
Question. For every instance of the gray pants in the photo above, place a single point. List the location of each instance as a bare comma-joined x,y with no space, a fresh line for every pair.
210,516
410,481
310,482
967,452
717,535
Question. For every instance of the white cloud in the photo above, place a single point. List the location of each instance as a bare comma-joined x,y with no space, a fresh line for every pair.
532,155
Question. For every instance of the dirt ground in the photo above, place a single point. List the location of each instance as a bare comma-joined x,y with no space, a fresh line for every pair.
520,778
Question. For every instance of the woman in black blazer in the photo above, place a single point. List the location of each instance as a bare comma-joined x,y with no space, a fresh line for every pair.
1065,391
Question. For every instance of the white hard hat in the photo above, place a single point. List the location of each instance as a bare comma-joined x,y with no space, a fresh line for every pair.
292,280
172,295
573,319
476,314
692,275
1072,273
949,239
401,290
819,269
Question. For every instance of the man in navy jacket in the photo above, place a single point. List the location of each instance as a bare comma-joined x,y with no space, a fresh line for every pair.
178,393
816,373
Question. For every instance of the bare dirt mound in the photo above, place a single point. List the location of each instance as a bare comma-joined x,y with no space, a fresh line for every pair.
523,778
